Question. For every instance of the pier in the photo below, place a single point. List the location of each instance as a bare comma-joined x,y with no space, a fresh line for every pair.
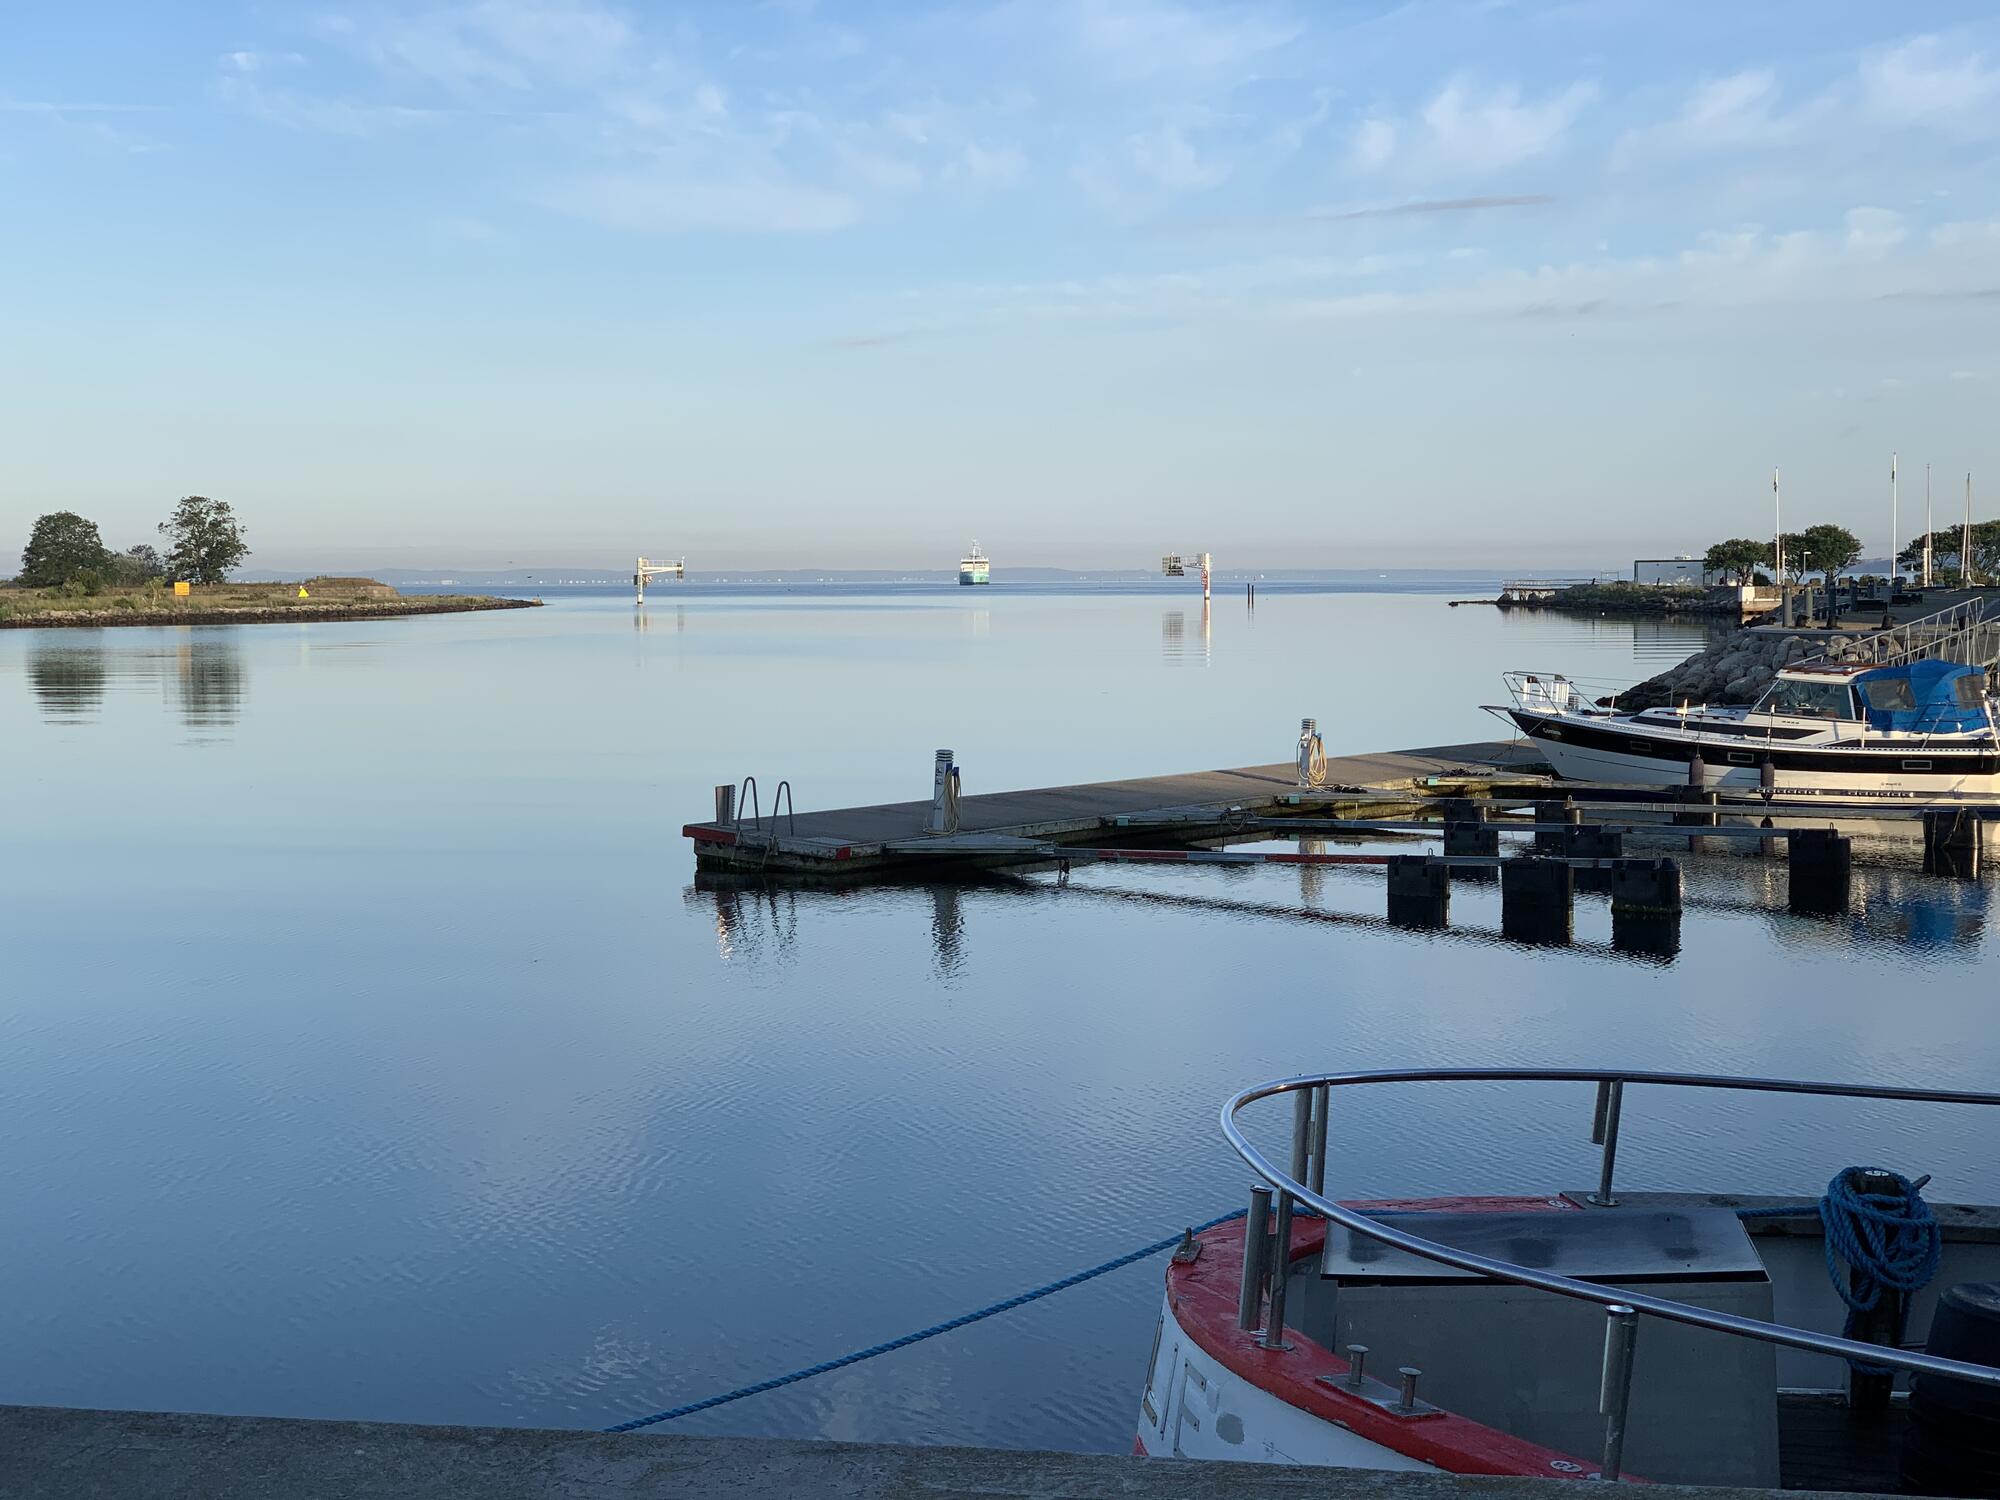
995,829
60,1451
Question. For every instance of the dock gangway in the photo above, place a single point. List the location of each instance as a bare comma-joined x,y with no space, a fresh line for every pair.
1968,632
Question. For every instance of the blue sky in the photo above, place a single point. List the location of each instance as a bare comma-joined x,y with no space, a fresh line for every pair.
794,283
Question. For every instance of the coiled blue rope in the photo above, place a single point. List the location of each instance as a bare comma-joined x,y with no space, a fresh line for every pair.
1890,1239
828,1366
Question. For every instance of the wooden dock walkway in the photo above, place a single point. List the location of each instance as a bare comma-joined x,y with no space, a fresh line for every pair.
1003,828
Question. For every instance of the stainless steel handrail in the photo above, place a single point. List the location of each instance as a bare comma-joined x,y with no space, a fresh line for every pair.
1288,1186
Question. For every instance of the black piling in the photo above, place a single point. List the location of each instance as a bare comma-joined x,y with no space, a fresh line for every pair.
1466,832
1646,906
1697,808
1537,897
1646,887
1565,812
1952,843
1593,843
1821,862
1419,891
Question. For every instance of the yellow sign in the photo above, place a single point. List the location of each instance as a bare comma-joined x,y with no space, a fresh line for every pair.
302,592
182,589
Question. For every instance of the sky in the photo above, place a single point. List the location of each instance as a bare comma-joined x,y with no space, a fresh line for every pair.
793,284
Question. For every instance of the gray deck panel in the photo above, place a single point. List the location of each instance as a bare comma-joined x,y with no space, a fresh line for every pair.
1043,809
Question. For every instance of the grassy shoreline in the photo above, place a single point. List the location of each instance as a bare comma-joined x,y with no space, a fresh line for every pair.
232,604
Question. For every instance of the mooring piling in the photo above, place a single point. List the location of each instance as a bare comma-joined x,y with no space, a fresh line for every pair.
1537,900
1952,843
1821,870
1419,891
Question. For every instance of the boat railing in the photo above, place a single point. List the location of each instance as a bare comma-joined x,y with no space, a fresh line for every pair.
1304,1184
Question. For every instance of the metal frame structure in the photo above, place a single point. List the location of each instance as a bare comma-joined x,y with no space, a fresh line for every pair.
676,570
1304,1184
1173,565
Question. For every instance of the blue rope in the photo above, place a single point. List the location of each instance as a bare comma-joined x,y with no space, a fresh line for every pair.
828,1366
1891,1240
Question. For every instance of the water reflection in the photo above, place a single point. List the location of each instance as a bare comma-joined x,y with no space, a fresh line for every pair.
208,682
1174,632
68,681
204,677
947,932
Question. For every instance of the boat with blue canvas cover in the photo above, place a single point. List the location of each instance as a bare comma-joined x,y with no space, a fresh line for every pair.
1910,721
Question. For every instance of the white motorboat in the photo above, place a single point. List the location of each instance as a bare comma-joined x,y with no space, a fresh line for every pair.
1922,731
1904,716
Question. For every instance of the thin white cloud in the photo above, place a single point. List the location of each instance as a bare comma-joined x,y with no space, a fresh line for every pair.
1738,112
509,44
1924,81
1169,157
668,201
1147,39
1478,130
1374,144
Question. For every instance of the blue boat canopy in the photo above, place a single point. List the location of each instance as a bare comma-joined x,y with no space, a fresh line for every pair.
1925,697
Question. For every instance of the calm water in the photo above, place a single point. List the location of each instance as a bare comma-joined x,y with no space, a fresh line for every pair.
368,1051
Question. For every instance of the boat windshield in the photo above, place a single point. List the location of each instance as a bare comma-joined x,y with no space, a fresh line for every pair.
1812,700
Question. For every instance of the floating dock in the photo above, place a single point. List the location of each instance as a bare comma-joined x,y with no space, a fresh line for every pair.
1011,828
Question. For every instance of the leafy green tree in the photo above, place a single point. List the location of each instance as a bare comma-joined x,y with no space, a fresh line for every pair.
205,540
136,565
1795,556
1737,558
1825,549
1948,542
62,546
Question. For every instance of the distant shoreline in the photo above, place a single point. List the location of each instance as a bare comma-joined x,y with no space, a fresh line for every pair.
443,604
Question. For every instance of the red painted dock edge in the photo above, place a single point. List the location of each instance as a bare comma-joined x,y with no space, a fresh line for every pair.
1203,1294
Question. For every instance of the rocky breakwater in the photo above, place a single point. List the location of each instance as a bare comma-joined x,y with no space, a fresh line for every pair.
1734,670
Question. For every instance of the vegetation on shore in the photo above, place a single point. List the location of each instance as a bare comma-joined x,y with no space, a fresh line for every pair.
69,577
66,551
154,602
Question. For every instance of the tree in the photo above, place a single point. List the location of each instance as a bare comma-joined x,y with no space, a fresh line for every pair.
62,546
136,565
1824,549
205,540
1737,558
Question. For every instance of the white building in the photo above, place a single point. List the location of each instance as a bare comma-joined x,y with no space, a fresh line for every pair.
1666,571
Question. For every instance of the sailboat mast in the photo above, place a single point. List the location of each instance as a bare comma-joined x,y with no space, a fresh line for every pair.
1965,540
1778,552
1895,529
1927,525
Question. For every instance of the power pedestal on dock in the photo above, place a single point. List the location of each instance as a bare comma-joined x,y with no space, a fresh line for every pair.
1821,863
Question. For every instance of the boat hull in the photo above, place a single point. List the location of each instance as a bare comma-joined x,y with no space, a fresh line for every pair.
1620,752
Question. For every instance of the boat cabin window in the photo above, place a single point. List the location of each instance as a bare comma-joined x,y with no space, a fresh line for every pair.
1813,700
1970,690
1889,693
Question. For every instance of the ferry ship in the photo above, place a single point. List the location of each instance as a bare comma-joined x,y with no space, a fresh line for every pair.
972,568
